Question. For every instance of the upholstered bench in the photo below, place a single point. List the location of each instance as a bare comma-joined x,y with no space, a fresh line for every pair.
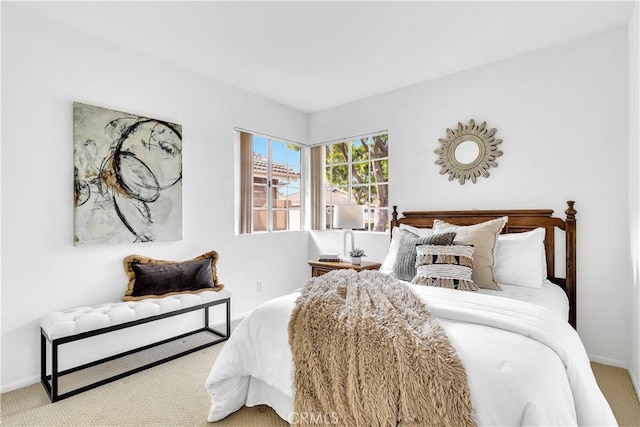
78,323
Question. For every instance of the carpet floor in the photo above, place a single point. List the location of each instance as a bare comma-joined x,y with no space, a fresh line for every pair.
173,394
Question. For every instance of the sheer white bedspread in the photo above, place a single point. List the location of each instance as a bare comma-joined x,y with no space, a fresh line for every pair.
525,364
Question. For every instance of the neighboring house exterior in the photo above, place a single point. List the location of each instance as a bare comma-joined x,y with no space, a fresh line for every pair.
281,176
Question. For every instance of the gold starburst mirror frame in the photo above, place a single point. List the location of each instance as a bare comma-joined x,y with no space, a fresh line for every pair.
468,152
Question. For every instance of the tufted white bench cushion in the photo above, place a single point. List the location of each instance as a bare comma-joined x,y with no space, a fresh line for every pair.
77,320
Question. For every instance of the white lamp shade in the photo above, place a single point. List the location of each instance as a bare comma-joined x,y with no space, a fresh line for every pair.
348,216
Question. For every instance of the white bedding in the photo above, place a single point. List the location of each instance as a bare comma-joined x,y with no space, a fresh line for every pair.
525,364
550,296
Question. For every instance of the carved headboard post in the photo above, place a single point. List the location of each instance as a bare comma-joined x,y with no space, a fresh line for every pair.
571,267
394,219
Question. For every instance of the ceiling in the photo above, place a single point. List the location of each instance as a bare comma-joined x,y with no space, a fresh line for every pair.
316,55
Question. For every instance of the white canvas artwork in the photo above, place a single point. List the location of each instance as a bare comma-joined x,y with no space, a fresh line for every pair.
127,177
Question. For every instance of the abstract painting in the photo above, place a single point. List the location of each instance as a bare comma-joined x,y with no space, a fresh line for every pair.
127,177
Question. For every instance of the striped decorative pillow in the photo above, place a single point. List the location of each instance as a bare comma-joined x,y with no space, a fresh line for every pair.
484,238
447,266
404,267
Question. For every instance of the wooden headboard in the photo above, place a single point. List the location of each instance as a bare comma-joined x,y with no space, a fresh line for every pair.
519,221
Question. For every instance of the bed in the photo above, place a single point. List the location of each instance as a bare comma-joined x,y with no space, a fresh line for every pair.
519,221
525,363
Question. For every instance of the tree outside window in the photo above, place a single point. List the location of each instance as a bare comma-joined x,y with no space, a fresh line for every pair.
357,171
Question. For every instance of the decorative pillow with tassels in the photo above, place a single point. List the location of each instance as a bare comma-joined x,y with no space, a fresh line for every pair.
404,266
447,266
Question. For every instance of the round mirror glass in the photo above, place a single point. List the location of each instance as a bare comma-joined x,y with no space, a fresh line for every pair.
467,151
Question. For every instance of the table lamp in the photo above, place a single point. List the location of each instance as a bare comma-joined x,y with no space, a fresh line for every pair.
348,217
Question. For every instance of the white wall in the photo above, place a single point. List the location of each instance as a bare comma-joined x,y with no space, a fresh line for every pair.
634,193
562,113
45,68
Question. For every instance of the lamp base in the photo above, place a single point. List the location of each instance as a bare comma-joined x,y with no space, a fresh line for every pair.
344,243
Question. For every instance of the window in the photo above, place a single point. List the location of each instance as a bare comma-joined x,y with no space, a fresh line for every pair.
271,184
357,171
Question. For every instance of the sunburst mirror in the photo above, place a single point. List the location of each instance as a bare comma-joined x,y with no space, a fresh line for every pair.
468,151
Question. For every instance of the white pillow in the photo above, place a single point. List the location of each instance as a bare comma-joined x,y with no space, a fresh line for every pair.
390,259
416,230
519,260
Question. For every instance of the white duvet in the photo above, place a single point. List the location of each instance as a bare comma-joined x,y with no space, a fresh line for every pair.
525,364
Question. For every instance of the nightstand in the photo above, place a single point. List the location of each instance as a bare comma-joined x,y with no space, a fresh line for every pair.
318,268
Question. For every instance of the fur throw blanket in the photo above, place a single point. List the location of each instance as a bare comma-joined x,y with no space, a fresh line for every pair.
367,352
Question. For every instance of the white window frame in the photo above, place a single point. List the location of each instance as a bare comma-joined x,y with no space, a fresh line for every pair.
349,164
270,209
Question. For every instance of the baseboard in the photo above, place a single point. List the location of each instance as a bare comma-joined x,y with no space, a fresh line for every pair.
20,384
636,384
238,318
609,362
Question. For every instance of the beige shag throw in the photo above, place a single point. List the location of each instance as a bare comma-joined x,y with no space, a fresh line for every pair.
367,352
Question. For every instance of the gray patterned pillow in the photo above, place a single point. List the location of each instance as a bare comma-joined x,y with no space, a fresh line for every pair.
404,267
445,266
